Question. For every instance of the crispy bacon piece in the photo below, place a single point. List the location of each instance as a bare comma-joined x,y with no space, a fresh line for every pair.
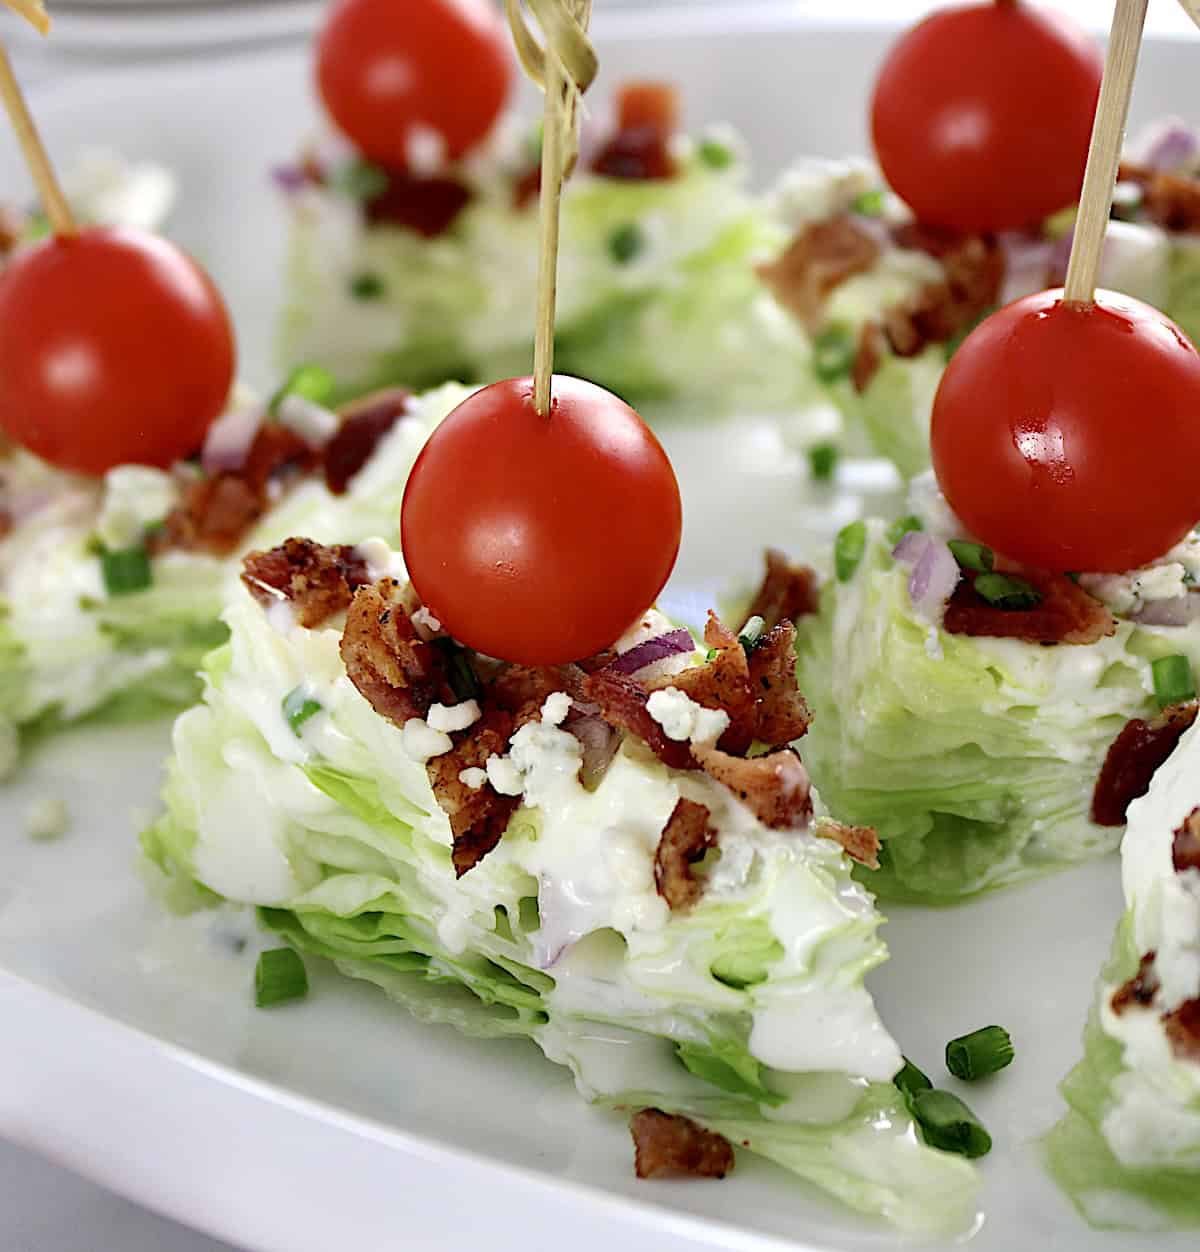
669,1144
622,703
781,713
1185,850
1140,989
1135,755
12,227
722,683
868,357
364,424
318,581
396,673
522,689
1183,1030
647,118
774,787
1066,613
6,523
685,838
527,188
787,591
1171,200
429,206
478,818
860,842
820,258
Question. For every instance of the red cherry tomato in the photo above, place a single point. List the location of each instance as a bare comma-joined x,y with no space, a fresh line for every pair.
386,68
540,540
982,115
115,347
1067,436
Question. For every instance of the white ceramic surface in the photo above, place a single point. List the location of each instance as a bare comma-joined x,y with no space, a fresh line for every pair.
129,1049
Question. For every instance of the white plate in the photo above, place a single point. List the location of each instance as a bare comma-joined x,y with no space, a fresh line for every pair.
128,1046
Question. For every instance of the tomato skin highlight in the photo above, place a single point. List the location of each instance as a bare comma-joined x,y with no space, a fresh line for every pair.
982,115
386,68
540,540
1067,436
115,348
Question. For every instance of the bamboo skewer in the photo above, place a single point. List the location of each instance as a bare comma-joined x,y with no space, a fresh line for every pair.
1104,154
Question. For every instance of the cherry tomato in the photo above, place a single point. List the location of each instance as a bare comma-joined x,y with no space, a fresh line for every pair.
1067,436
388,70
115,347
982,115
540,539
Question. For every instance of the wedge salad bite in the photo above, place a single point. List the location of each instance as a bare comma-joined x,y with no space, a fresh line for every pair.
1128,1150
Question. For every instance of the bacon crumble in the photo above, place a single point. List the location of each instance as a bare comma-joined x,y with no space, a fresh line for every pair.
868,356
1065,613
775,787
364,424
640,150
685,839
318,581
622,701
667,1143
821,257
1185,848
1183,1030
787,591
1170,200
780,713
1133,758
428,206
1140,989
861,843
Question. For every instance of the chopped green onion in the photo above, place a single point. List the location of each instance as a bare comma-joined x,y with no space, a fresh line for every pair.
711,655
848,549
125,570
626,242
715,154
982,1052
903,526
94,545
869,203
972,555
822,461
947,1123
313,382
833,353
1174,681
461,676
751,634
367,286
911,1081
278,977
298,708
1004,591
360,180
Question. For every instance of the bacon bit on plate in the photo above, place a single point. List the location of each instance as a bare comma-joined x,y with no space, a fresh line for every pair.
647,119
1066,613
622,703
364,424
479,817
868,357
775,787
820,258
1135,755
669,1144
1185,851
1140,989
1170,200
395,672
428,206
1183,1030
317,581
781,713
787,591
860,842
685,839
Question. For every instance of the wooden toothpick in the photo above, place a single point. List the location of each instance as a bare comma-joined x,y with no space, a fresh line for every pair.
1104,154
53,201
564,68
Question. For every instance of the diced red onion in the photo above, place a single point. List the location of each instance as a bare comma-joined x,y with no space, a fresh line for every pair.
230,438
1177,611
652,650
935,572
1167,146
290,179
597,738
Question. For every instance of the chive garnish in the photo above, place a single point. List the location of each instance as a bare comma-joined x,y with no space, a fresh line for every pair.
982,1052
367,286
848,549
360,180
279,976
911,1081
822,461
298,707
972,556
752,634
1174,681
833,353
125,570
1004,591
313,382
459,671
947,1123
902,526
626,242
869,203
715,154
